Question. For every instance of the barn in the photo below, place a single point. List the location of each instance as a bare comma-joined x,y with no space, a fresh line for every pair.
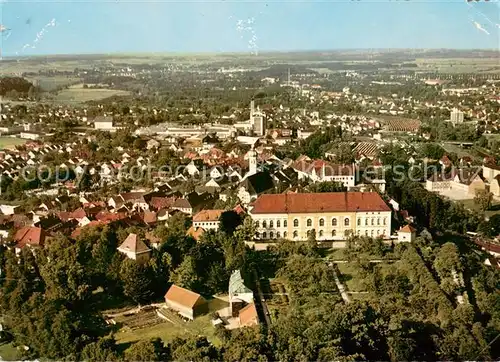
187,303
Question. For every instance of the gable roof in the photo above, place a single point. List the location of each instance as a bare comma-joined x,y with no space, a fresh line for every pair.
248,315
195,233
407,229
319,202
258,183
134,244
33,236
183,296
208,215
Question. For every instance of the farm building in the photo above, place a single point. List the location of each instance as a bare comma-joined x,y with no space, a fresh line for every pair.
187,303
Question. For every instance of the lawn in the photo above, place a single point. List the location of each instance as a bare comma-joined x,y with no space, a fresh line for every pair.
9,353
10,142
350,277
471,205
78,94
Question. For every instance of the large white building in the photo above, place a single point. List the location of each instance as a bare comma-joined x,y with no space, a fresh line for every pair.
332,216
456,116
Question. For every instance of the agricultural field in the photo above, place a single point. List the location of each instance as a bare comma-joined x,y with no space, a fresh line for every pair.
460,65
10,142
78,94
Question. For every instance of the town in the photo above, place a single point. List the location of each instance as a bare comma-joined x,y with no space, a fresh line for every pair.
175,210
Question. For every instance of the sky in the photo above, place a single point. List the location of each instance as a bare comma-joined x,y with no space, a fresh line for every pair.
124,26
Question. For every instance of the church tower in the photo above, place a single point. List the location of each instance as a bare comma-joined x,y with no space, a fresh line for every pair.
252,161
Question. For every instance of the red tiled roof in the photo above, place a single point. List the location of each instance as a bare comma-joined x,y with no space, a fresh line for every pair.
407,229
29,235
108,216
162,202
208,215
248,315
195,233
319,202
182,296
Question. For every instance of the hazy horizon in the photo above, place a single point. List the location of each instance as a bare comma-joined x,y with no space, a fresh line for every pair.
103,27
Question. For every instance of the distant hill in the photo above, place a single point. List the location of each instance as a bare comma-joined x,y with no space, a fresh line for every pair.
17,84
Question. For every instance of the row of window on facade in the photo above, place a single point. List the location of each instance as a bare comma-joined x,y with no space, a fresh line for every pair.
321,234
309,222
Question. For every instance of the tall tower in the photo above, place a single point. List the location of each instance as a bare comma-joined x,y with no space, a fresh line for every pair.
252,111
252,161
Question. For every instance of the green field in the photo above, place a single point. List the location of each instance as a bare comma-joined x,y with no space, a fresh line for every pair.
9,353
78,94
351,278
471,205
10,142
52,83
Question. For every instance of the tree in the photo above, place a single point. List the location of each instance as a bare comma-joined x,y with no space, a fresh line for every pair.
64,273
185,275
194,349
229,221
136,280
151,350
483,199
104,349
490,228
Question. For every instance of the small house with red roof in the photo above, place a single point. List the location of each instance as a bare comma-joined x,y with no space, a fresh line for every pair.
29,236
407,234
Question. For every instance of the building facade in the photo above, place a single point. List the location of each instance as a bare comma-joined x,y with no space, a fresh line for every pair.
329,216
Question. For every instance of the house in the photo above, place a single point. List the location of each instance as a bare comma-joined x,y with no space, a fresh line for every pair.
8,209
185,302
195,233
248,316
490,171
207,219
495,186
254,185
152,143
319,171
407,234
103,123
134,248
239,293
331,215
29,236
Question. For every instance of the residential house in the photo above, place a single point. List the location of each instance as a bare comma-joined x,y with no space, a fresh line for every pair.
207,219
407,234
495,186
254,185
29,236
185,302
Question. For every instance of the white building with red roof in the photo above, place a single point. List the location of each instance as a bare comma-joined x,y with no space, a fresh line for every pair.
331,216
